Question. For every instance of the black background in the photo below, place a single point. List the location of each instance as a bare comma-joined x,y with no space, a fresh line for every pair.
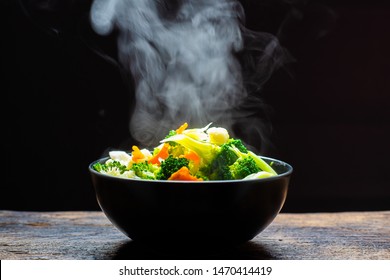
68,103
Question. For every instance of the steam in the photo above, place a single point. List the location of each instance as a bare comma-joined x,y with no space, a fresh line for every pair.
186,59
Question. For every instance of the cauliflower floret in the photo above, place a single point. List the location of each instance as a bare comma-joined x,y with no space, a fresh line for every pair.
122,157
218,135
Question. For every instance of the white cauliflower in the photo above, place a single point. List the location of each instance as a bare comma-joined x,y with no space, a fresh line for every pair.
218,135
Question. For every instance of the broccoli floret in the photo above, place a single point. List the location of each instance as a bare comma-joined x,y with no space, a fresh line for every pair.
216,160
259,161
238,144
171,133
225,156
201,176
221,173
170,166
114,168
234,161
219,169
243,167
98,167
111,166
176,150
145,170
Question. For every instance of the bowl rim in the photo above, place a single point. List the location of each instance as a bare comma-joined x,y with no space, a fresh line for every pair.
284,174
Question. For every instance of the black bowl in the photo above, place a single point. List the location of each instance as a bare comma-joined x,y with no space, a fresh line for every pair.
178,213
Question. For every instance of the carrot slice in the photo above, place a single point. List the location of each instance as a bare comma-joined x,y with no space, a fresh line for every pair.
182,128
183,174
163,154
137,155
191,155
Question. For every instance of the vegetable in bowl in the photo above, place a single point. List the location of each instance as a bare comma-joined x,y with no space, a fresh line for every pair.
197,154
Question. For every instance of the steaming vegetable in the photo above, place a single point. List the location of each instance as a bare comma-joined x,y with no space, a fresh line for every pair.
170,166
243,167
145,170
198,154
219,168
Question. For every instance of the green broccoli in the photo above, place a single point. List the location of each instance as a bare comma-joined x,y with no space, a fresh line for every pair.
219,169
170,134
99,167
145,170
243,167
238,144
221,173
216,160
226,156
259,162
234,161
170,166
111,166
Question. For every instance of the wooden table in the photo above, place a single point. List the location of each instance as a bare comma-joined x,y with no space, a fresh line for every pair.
89,235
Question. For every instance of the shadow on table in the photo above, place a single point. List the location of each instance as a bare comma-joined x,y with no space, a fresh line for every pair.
248,251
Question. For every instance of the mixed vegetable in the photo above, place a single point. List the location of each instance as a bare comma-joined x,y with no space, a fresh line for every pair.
198,154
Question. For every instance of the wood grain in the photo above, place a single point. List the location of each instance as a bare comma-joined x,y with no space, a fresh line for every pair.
89,235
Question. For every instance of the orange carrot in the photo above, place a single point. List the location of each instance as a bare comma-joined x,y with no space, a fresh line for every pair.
182,128
163,154
183,174
137,155
192,156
